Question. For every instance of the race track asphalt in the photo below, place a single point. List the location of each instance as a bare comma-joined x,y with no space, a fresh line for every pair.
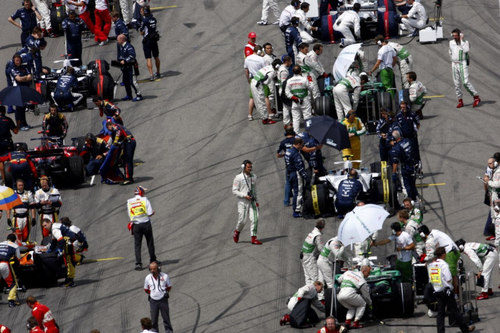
193,134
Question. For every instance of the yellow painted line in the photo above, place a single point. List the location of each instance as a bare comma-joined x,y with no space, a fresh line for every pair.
436,184
106,259
434,19
434,96
163,7
138,163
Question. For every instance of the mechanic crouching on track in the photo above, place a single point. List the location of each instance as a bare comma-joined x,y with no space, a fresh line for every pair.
304,297
93,154
9,250
354,294
63,94
48,201
348,191
78,242
54,123
21,166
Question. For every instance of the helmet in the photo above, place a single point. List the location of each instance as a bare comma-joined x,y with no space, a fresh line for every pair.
252,35
460,243
139,190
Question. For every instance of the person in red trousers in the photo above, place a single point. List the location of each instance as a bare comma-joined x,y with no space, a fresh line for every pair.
102,22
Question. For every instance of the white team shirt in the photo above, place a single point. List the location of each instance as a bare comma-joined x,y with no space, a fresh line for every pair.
268,59
101,4
253,63
417,12
439,275
157,287
404,239
442,239
286,15
386,54
458,52
78,9
139,209
52,194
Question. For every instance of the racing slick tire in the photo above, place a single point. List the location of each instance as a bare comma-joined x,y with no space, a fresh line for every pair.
404,299
9,180
317,202
103,86
76,170
324,107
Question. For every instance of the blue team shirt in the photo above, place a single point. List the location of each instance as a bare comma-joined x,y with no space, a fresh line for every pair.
27,18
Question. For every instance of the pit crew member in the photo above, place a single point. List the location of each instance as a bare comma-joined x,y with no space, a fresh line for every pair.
347,192
311,248
309,293
54,123
356,129
43,315
351,84
354,294
21,166
22,217
297,175
48,201
9,250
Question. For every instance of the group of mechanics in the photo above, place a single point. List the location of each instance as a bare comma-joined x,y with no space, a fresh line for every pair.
294,78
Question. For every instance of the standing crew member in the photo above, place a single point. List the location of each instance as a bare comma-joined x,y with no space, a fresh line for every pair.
73,27
386,60
415,19
297,175
120,26
333,251
80,7
354,294
315,66
250,46
347,192
298,89
21,166
122,137
54,123
157,285
459,54
351,84
244,188
150,37
287,14
402,154
440,277
346,22
417,92
21,76
285,144
9,250
43,9
408,128
385,126
485,257
139,211
24,215
252,64
35,43
48,201
43,315
405,59
302,61
292,38
126,57
264,77
28,18
266,6
102,22
355,128
411,227
283,73
311,248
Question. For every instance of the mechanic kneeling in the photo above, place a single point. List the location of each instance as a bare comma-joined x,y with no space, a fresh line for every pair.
63,95
347,193
21,166
54,123
78,242
93,153
354,294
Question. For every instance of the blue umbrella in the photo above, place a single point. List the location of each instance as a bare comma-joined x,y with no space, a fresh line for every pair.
328,131
20,96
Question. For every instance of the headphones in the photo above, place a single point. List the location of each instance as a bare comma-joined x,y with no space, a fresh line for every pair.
495,163
379,42
244,164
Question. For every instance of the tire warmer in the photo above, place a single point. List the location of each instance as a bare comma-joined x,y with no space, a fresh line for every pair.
100,84
386,20
330,29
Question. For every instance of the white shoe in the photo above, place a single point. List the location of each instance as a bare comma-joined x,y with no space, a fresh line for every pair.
250,117
402,27
276,22
432,314
262,23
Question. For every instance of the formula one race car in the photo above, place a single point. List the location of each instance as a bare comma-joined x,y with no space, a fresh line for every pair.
377,189
390,296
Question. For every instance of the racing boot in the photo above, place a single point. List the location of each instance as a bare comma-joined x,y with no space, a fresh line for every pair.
356,324
477,100
482,296
255,241
490,292
490,238
236,236
284,320
460,104
348,323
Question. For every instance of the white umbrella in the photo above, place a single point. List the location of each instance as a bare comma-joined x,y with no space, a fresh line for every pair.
344,60
360,223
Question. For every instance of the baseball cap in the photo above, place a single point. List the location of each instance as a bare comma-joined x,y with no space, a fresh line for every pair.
252,35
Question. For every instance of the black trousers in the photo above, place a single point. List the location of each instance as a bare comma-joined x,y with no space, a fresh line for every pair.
446,300
157,307
139,230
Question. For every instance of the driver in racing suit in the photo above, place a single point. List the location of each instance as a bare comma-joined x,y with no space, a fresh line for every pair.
48,201
333,251
9,250
54,123
20,222
21,166
354,294
311,248
63,95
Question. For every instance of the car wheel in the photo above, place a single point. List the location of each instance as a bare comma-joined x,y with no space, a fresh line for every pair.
76,170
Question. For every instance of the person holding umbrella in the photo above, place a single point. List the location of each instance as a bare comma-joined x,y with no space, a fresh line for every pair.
356,128
404,248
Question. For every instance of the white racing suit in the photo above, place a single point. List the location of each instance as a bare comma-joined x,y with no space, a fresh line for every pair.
405,62
43,9
417,17
268,60
344,23
485,257
269,5
299,87
350,84
354,294
494,188
48,211
244,185
304,62
304,27
417,92
411,228
311,248
125,8
363,249
430,247
308,291
21,216
282,76
459,55
316,70
332,251
265,76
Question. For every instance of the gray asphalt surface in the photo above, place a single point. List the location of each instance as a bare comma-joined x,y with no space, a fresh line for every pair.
193,134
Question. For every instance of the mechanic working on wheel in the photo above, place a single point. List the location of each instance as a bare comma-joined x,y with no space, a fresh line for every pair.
21,166
63,94
77,242
351,84
485,257
121,137
73,27
48,201
62,237
22,217
404,248
309,294
140,211
434,239
54,123
150,38
43,315
9,251
28,16
126,58
402,154
311,248
20,76
354,294
386,60
346,22
298,90
6,144
347,192
297,175
245,189
440,277
356,129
